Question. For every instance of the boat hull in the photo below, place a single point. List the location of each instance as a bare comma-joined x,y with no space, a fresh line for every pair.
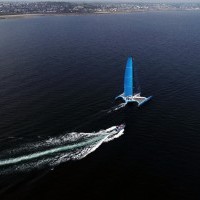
136,98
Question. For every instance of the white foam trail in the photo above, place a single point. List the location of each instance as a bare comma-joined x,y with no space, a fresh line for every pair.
54,151
115,108
44,153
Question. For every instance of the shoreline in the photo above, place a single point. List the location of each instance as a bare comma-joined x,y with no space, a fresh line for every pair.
20,16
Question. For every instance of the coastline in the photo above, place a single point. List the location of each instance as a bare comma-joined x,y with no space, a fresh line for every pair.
41,15
57,14
19,16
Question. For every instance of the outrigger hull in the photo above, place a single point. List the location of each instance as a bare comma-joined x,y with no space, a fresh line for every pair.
146,99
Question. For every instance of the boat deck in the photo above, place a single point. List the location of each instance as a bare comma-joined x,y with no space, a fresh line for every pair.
136,98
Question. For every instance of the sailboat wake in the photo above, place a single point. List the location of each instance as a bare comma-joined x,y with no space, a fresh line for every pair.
115,108
56,150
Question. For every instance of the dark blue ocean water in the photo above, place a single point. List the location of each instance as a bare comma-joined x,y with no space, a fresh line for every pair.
60,74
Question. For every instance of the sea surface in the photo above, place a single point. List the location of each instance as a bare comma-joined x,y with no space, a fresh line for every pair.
59,76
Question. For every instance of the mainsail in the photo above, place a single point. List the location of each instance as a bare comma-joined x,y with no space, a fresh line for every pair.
128,78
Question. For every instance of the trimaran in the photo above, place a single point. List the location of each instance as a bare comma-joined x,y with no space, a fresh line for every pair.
129,95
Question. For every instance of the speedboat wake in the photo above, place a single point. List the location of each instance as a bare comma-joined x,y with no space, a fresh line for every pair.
56,150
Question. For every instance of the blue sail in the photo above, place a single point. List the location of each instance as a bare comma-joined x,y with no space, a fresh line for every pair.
128,78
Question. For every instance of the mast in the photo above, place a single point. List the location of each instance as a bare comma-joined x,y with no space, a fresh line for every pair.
128,78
